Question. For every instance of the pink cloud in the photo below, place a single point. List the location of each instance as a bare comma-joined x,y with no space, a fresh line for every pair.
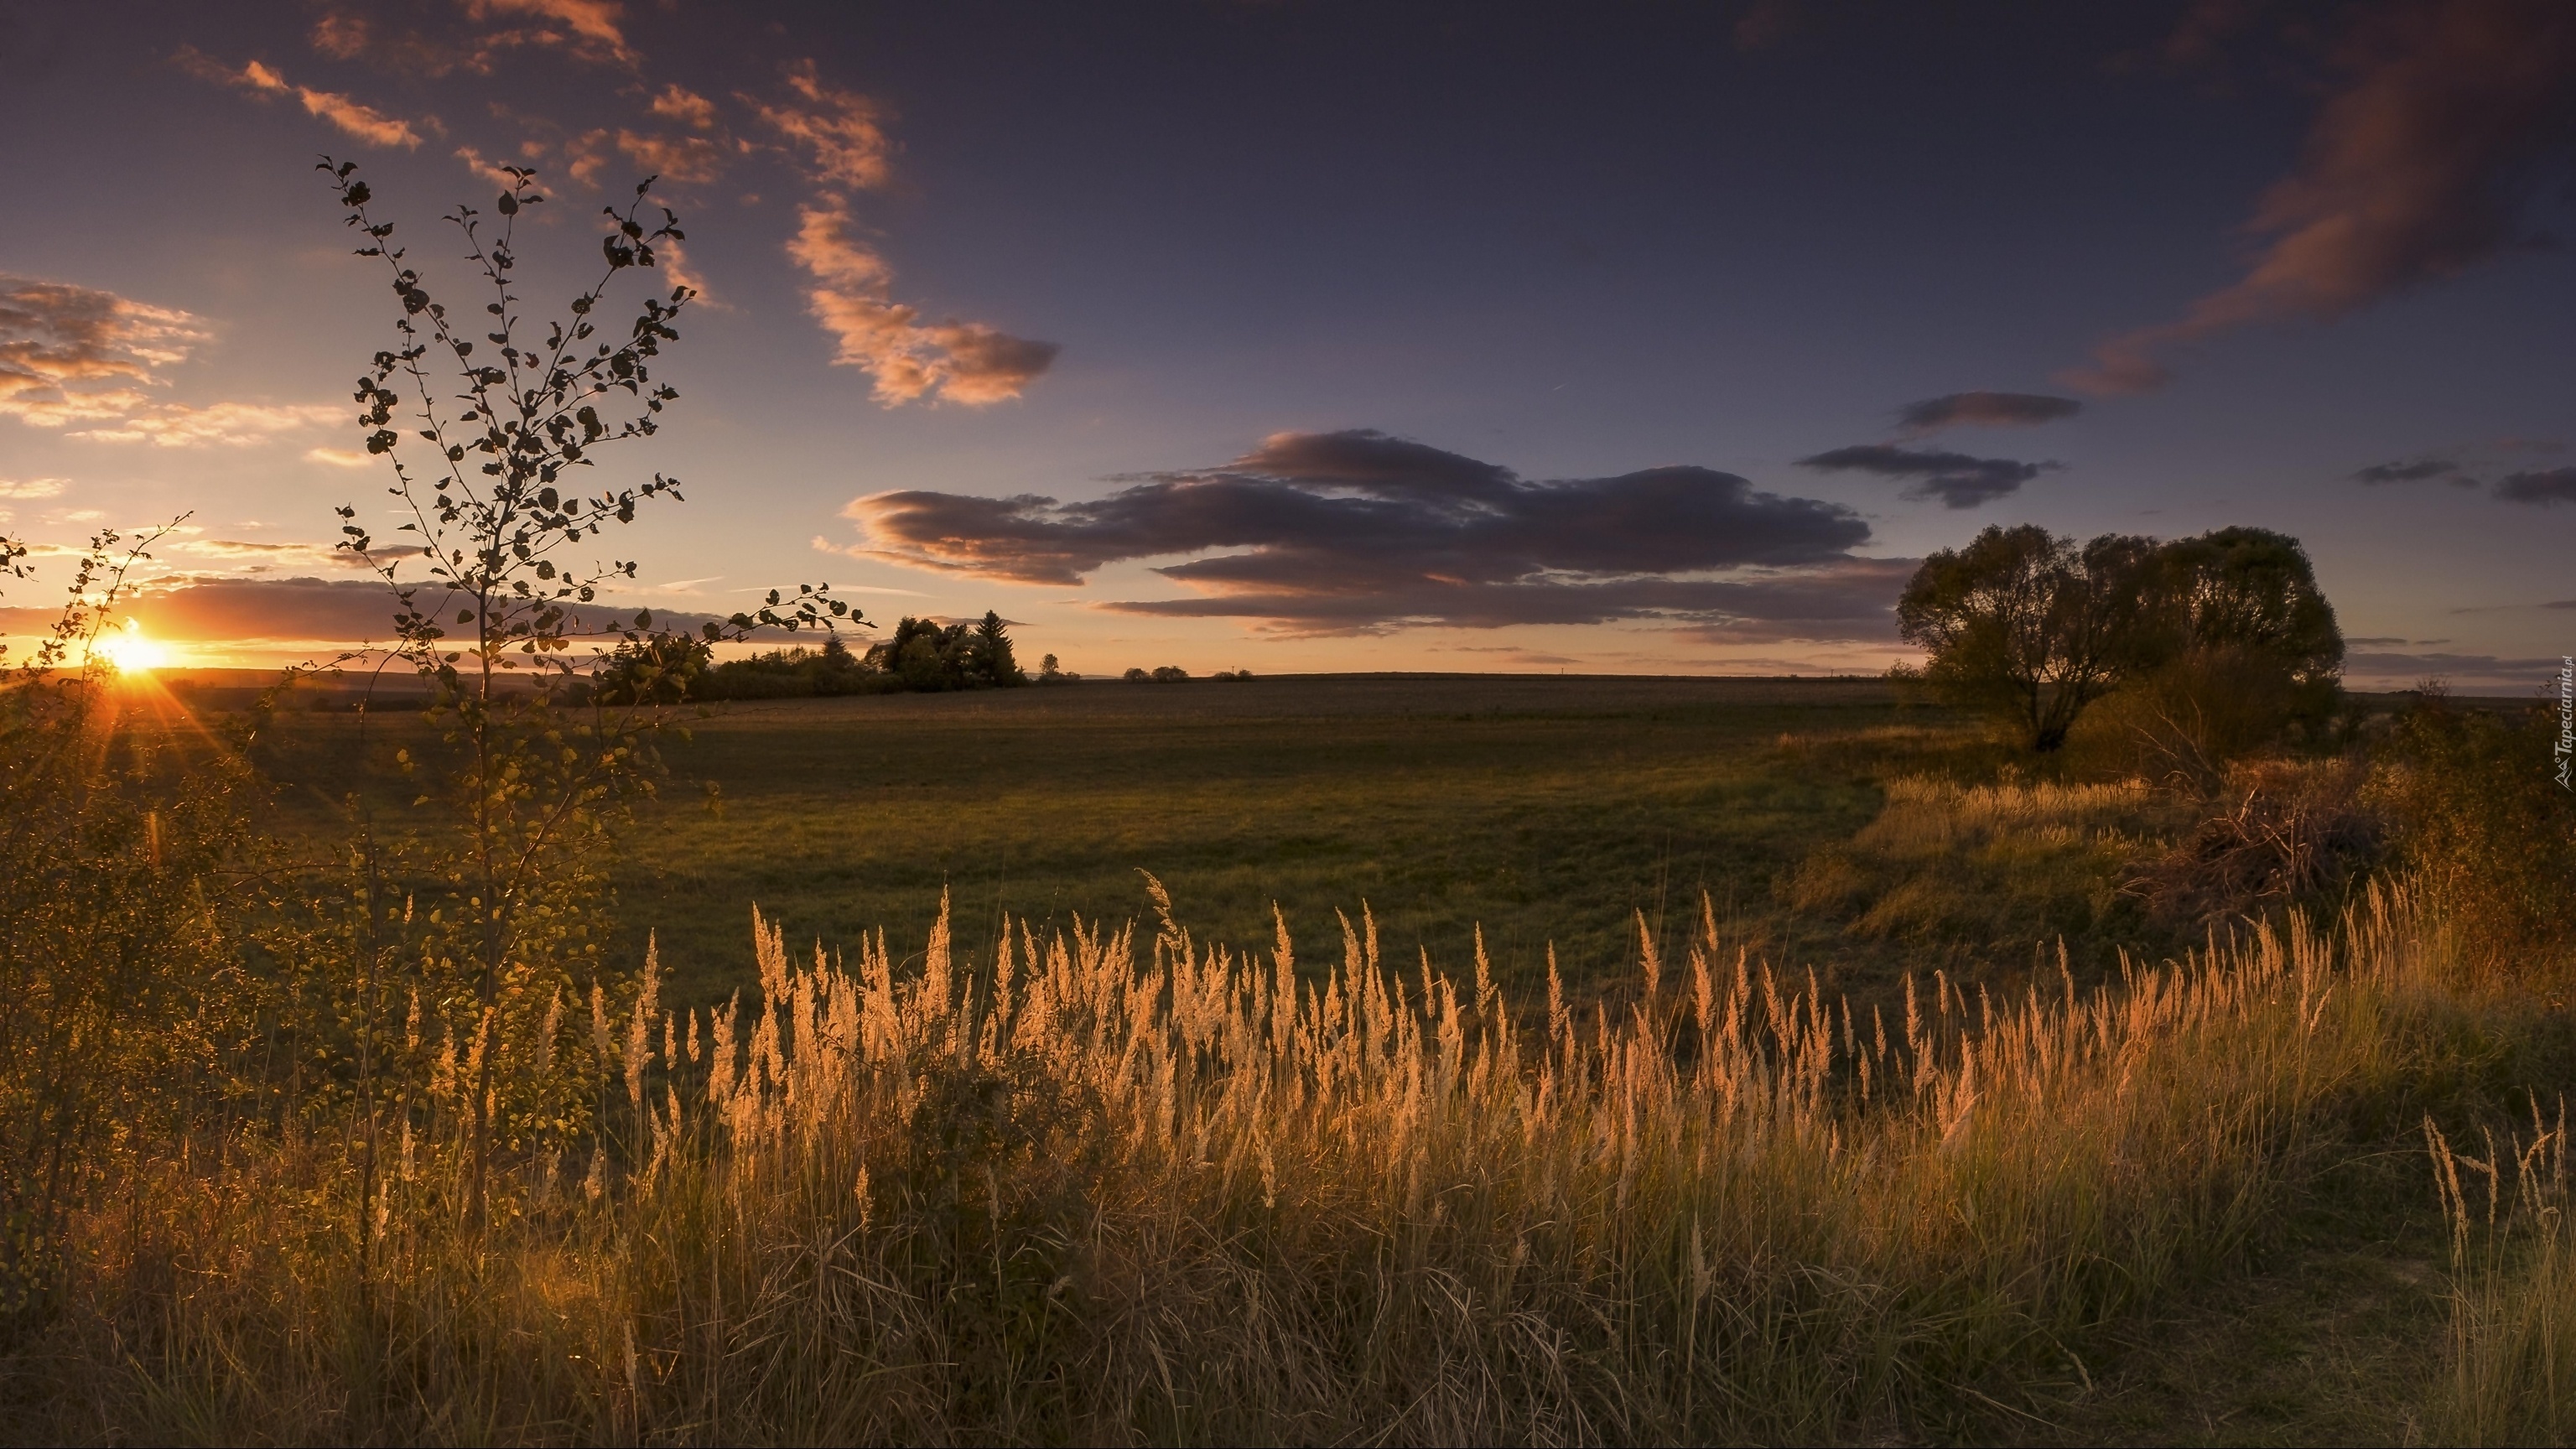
842,132
2412,173
962,362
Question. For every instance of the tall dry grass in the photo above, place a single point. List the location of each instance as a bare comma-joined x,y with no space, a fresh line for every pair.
2512,1354
1118,1189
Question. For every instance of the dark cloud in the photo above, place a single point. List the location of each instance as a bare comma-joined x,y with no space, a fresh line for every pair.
1855,599
1356,530
1956,479
2401,669
326,613
2554,485
2416,168
1984,410
2416,471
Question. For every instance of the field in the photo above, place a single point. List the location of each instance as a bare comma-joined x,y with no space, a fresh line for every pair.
1546,810
1918,1113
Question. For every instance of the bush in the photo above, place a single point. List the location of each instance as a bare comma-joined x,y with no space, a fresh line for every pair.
1170,674
2482,821
2185,722
921,655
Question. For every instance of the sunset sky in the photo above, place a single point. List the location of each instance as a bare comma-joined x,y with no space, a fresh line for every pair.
1301,336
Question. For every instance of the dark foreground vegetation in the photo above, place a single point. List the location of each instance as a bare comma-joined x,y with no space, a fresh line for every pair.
340,1099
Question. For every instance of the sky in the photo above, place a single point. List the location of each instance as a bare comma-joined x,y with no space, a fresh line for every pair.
1310,336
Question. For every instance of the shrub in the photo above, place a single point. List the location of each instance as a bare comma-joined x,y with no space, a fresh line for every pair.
1170,674
2481,820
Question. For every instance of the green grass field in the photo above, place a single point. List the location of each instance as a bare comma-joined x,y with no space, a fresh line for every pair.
1544,809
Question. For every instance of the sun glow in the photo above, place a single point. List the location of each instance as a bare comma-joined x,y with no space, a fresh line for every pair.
130,651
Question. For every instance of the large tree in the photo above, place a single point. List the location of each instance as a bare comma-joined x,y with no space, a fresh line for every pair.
2251,592
2030,626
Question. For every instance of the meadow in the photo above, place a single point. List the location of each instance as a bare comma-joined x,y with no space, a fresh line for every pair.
1545,811
1879,1089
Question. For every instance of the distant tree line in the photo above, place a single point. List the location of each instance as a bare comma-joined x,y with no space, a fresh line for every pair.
920,656
2197,648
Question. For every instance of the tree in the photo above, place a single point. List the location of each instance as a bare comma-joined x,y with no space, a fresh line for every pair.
990,659
2027,626
658,669
2251,592
533,780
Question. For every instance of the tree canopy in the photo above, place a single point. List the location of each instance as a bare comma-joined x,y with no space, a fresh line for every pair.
2034,628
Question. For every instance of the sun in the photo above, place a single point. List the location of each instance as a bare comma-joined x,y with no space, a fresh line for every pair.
129,651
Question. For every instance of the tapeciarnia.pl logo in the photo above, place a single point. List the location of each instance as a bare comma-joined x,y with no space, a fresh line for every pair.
2566,747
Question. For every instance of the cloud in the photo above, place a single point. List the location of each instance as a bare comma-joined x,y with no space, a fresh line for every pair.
1957,480
687,160
2554,485
32,487
963,362
76,354
2415,170
1853,599
1359,532
678,103
2416,471
338,457
589,29
362,122
1984,410
2396,669
263,557
841,133
232,424
298,611
489,170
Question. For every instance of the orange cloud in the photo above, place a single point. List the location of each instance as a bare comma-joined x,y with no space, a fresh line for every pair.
77,354
684,159
264,557
843,131
233,424
32,487
963,362
363,122
488,170
588,28
2412,173
679,103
